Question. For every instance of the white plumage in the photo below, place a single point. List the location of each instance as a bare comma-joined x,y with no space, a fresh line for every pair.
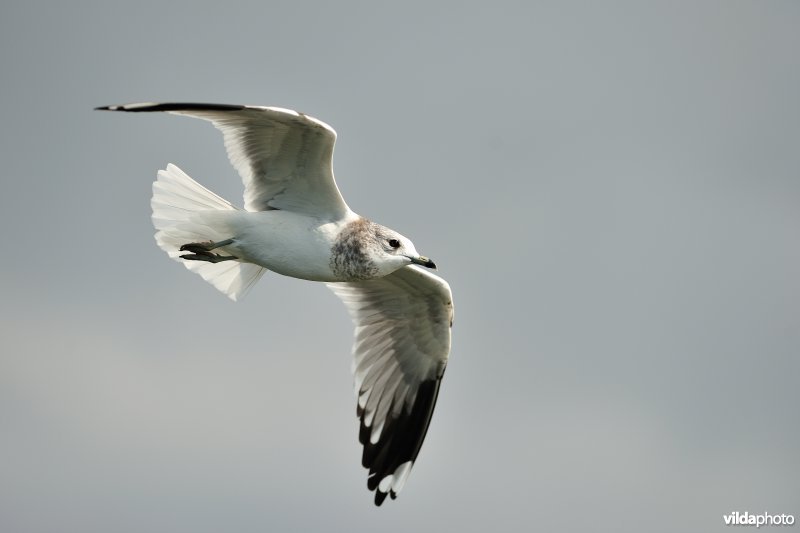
296,223
176,203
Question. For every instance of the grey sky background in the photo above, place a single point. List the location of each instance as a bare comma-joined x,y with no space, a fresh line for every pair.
611,188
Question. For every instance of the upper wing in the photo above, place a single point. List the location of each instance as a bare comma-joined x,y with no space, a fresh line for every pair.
284,157
402,342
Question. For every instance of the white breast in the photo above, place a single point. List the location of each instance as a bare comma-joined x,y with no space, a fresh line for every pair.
287,243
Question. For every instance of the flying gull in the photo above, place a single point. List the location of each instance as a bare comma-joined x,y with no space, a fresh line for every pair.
296,223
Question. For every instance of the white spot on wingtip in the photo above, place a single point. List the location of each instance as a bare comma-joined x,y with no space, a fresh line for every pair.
385,483
397,480
126,107
401,475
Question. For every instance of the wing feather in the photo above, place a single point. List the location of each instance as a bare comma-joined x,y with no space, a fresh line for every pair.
402,342
284,157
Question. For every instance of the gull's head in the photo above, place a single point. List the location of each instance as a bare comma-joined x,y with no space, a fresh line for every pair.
365,250
395,250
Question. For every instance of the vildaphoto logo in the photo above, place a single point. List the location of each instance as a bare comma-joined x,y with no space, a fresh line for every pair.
764,519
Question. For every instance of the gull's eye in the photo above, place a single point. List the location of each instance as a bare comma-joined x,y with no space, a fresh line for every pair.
394,243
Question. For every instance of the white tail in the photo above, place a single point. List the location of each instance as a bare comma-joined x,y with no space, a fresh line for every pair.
179,204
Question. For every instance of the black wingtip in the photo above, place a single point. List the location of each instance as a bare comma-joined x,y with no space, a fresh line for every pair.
146,107
400,440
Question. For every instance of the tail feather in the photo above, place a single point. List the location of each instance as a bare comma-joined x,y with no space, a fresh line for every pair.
184,212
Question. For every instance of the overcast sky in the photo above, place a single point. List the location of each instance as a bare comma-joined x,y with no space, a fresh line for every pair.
612,190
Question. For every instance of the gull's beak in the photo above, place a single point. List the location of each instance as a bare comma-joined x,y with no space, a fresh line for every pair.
422,260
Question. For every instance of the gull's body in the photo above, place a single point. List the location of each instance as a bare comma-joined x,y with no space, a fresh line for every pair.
296,223
269,239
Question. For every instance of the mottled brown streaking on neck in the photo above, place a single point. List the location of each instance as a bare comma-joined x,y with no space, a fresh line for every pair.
349,258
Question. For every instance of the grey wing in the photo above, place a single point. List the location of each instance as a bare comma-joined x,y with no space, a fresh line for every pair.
402,342
284,157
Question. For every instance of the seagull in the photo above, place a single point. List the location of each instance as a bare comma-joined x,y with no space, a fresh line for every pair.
296,223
